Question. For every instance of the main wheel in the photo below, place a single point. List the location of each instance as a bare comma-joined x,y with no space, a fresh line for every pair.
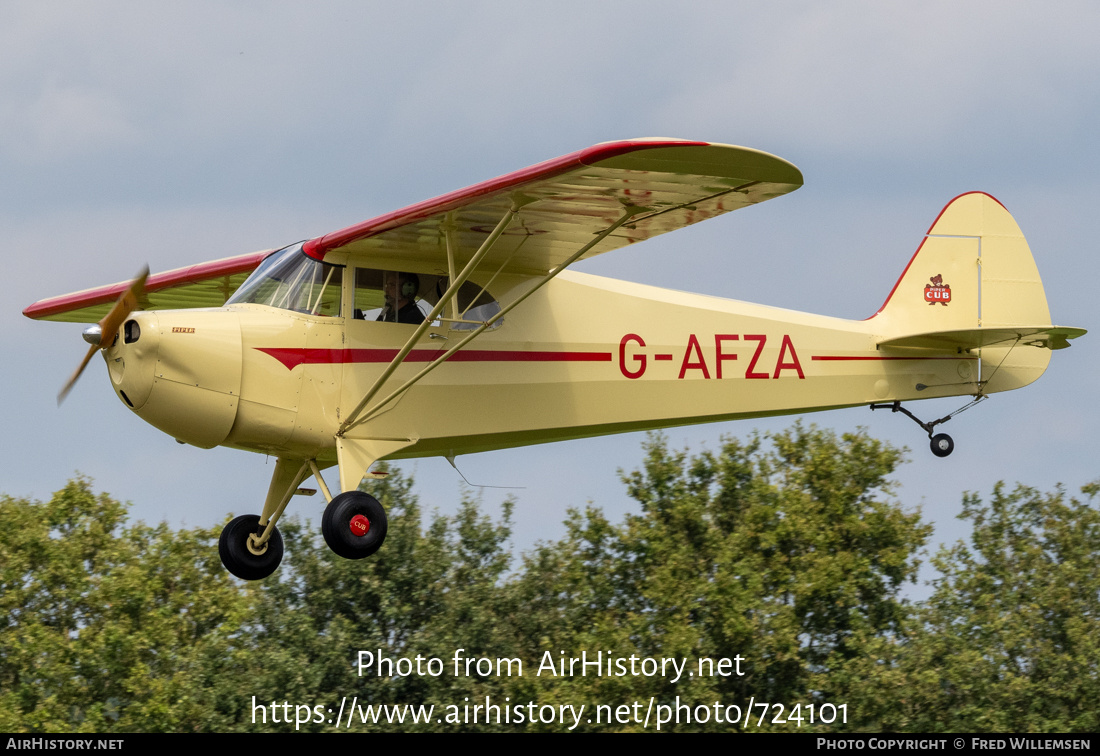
942,445
241,560
354,525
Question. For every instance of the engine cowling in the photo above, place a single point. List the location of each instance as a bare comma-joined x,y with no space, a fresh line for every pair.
180,371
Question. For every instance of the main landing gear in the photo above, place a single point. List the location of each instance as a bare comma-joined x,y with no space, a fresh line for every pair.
354,524
242,551
941,443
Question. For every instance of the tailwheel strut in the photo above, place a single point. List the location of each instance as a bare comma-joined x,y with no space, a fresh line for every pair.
941,443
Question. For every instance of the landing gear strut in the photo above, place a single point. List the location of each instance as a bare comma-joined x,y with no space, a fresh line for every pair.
250,545
941,443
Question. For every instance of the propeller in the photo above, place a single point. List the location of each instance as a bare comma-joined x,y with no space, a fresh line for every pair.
108,327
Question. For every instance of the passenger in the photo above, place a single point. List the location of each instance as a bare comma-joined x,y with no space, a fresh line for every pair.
400,291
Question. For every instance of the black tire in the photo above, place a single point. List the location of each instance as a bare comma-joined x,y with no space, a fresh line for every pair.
942,445
233,549
336,525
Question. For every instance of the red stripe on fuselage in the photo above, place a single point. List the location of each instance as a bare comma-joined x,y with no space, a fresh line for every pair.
291,358
832,357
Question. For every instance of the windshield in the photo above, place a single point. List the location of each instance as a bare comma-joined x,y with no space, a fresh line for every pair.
291,280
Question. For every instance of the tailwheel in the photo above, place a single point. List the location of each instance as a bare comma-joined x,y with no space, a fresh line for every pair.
942,445
354,525
239,553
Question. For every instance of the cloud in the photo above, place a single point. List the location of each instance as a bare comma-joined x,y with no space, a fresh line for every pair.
868,79
63,122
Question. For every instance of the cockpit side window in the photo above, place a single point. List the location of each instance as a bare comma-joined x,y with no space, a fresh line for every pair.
475,306
387,295
391,296
291,280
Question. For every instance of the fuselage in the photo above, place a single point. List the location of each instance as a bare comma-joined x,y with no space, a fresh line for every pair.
583,356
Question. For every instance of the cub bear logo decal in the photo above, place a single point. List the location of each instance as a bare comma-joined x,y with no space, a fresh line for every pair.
937,291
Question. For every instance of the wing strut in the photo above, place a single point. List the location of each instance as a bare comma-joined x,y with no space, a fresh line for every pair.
449,233
518,201
629,211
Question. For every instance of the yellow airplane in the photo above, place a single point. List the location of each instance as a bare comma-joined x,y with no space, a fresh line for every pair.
454,326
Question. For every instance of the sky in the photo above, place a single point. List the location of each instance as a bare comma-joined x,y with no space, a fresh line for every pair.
172,134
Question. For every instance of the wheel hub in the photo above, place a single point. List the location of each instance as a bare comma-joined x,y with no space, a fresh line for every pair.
251,543
359,525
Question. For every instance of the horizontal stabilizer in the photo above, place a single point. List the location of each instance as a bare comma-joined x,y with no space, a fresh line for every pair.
1051,337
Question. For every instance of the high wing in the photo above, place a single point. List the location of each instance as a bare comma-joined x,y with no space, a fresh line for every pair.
559,206
537,222
565,201
207,284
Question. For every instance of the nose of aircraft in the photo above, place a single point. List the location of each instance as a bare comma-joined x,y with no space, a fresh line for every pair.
132,358
180,371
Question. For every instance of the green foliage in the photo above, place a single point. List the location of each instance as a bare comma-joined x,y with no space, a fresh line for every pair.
105,627
787,551
780,550
429,591
1009,640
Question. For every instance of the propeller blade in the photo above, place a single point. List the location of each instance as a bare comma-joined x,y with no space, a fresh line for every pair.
109,325
72,381
127,303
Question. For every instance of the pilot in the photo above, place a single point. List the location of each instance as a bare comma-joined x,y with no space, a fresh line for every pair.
400,290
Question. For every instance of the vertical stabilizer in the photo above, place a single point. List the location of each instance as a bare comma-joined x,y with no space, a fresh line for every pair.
973,272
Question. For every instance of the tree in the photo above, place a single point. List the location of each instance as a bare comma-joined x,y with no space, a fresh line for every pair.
785,554
786,551
112,627
106,626
1010,638
429,591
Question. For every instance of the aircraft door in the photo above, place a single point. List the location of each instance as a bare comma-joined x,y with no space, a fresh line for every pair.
386,309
